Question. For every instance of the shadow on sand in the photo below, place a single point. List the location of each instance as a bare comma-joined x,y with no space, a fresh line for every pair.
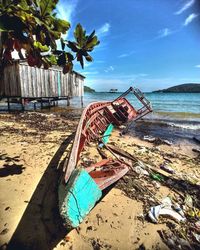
14,169
40,226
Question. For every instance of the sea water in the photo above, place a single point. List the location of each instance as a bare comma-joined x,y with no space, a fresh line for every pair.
174,116
161,102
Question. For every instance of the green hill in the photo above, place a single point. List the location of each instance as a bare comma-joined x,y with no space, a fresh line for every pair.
183,88
88,89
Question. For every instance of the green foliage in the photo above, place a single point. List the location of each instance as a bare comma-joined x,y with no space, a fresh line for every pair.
83,44
32,25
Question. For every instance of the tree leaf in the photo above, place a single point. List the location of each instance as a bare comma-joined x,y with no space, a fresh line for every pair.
42,48
90,36
4,28
46,63
80,59
56,34
17,45
79,34
93,42
13,23
61,25
67,68
34,27
52,59
47,6
32,61
62,43
89,58
61,59
70,57
72,46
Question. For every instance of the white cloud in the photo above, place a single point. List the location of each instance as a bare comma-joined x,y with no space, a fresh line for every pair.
190,18
66,9
126,54
186,6
109,69
123,55
103,30
164,32
197,66
87,64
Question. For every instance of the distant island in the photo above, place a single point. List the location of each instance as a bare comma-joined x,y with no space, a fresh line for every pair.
88,89
182,88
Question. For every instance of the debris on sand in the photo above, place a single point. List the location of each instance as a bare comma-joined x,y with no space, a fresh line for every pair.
157,140
182,205
166,209
145,182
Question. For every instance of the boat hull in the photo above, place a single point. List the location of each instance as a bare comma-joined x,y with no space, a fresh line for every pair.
77,197
80,188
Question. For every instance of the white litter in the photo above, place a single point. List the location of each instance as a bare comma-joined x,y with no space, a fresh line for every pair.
165,209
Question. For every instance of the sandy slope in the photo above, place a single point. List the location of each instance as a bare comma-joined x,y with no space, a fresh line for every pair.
33,147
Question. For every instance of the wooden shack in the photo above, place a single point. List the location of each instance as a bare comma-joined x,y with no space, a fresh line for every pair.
25,82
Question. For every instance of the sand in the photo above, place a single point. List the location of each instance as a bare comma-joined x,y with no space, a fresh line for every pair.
33,149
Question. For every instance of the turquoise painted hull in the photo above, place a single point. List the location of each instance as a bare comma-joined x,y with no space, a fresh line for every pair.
107,133
77,197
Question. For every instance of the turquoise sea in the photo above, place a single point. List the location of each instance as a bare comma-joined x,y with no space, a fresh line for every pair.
161,102
175,115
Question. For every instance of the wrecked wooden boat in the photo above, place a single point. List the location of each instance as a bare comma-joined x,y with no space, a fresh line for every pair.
81,187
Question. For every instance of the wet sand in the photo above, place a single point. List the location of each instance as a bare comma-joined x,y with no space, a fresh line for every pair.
33,149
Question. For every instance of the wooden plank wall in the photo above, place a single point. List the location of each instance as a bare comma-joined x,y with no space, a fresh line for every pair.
76,85
10,82
24,81
79,86
49,83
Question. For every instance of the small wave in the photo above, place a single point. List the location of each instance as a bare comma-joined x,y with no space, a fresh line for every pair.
173,123
185,126
177,117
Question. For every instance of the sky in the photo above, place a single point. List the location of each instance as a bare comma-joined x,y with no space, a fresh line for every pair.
151,46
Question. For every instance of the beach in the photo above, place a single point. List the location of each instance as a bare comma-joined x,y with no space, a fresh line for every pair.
33,148
99,125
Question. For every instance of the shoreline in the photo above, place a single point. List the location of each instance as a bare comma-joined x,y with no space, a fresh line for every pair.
34,146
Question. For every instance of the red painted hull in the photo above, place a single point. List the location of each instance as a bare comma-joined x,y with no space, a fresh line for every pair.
93,123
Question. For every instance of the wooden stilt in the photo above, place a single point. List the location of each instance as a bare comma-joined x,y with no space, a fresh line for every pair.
41,103
8,101
49,102
34,105
22,103
68,101
81,101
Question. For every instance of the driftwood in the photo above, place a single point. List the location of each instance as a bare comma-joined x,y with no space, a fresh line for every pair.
122,153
